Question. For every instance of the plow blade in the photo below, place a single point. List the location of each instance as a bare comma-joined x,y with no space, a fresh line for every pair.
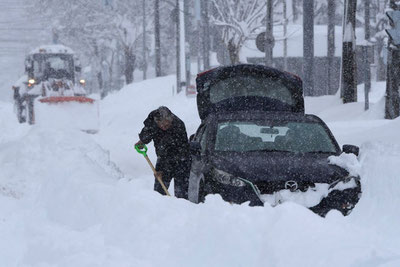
79,112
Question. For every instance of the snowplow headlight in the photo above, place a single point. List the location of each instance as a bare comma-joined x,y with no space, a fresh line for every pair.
82,81
31,81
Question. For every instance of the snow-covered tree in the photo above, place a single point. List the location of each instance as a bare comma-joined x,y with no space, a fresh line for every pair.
103,31
237,19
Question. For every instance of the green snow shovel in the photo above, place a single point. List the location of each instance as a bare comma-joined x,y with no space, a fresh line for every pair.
142,149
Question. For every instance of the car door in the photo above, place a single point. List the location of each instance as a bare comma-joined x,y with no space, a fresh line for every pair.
199,161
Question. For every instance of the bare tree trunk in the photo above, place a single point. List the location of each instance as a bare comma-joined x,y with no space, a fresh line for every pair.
392,103
349,74
111,71
144,41
129,65
100,82
331,45
98,74
157,37
233,52
367,67
308,47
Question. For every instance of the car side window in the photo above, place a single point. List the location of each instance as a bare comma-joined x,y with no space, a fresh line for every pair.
203,141
201,137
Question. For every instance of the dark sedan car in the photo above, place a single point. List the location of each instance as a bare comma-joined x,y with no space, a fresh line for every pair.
255,143
270,157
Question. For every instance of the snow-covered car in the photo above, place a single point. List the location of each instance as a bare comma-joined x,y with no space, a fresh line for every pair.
271,158
256,145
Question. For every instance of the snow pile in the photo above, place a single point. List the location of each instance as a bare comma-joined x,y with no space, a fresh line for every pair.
10,130
349,162
69,115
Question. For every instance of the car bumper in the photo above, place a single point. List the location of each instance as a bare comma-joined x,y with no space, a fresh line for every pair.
341,200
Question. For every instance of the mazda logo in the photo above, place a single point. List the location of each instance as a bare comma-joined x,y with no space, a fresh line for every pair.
291,185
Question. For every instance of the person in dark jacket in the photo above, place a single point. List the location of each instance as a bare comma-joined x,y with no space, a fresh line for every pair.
169,135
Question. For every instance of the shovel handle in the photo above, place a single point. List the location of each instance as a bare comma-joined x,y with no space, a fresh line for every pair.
141,149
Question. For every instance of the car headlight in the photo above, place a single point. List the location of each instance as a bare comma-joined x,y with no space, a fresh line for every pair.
344,183
82,81
226,178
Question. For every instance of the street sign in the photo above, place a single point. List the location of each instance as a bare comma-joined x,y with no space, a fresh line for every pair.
394,32
260,42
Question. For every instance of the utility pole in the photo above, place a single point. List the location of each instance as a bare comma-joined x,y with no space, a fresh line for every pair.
392,103
349,65
331,44
144,41
206,33
285,67
198,25
187,47
308,47
294,10
157,37
269,34
178,48
365,48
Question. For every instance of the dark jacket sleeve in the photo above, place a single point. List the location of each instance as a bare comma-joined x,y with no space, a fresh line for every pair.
148,131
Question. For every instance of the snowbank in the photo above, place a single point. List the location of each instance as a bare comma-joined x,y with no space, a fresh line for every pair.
69,115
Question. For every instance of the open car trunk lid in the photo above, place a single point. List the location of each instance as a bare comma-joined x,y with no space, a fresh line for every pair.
248,87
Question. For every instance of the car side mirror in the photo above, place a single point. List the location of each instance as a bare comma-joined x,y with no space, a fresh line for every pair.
195,148
351,149
78,68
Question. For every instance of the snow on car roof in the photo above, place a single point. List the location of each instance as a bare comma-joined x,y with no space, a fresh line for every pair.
52,49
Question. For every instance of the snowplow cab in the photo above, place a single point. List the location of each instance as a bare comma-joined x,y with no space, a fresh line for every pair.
54,67
248,87
53,78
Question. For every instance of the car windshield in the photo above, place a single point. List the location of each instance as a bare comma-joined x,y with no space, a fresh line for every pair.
297,137
250,85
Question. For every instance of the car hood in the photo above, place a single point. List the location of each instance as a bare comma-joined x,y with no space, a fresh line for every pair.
279,166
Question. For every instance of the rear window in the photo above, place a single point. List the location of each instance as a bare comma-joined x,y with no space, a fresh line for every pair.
247,85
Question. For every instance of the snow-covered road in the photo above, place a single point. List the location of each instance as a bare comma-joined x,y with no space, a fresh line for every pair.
72,199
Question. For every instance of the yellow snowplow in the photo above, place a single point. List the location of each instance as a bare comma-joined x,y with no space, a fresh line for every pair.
52,91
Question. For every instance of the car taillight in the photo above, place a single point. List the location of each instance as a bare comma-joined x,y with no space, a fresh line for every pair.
205,72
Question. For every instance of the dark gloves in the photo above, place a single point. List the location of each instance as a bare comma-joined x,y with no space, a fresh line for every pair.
140,144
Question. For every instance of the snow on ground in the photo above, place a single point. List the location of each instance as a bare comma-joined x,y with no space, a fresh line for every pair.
72,199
